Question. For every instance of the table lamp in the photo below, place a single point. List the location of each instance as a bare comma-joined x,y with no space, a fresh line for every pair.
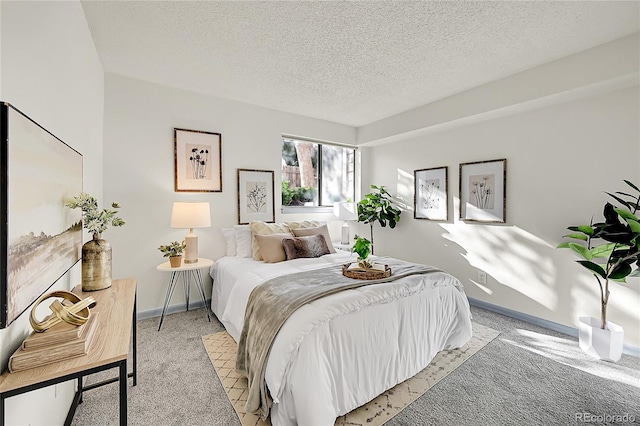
190,215
345,211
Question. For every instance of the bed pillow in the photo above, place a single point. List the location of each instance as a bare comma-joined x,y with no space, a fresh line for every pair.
311,246
264,228
230,238
271,248
304,224
320,230
243,240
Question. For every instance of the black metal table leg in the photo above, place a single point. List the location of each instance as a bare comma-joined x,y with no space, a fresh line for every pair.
135,340
1,410
173,282
123,393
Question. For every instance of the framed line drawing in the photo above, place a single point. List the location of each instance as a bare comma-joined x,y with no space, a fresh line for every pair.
430,197
483,191
41,238
198,161
255,196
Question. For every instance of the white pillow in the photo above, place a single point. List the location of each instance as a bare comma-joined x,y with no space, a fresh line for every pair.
243,241
230,238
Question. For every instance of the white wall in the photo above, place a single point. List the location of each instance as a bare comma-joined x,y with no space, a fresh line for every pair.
560,160
139,170
50,71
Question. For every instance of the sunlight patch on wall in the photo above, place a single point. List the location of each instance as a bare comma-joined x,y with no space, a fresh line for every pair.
404,189
511,256
622,307
482,287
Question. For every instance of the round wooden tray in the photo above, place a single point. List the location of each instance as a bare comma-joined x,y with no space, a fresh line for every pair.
366,275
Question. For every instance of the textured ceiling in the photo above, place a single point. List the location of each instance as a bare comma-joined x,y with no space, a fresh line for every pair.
347,62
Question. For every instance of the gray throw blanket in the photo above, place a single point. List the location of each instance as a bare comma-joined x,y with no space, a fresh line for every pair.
271,303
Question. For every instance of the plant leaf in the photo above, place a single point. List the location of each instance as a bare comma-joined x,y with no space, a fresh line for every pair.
624,193
616,233
620,200
581,250
582,237
610,214
585,229
563,245
626,214
622,271
633,224
631,185
603,250
593,268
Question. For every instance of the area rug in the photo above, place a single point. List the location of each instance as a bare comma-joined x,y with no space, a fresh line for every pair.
221,349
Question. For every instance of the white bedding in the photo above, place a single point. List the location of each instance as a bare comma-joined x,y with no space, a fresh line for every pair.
341,351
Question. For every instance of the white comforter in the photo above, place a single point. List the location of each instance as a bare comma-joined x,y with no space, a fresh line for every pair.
341,351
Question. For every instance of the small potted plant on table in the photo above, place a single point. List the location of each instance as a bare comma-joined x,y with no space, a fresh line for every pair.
362,247
173,251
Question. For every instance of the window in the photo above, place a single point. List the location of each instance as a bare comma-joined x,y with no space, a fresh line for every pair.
316,174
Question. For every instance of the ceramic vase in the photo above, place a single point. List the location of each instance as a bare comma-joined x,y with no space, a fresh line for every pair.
602,344
96,264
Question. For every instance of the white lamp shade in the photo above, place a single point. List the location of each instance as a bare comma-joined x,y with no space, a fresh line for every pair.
190,215
346,211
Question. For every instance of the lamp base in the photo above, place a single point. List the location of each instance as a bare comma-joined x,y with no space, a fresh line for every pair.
344,239
191,251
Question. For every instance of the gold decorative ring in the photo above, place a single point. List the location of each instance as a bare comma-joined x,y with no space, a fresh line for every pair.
76,314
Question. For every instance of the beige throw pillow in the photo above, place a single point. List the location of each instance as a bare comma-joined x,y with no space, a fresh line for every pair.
320,230
271,248
264,228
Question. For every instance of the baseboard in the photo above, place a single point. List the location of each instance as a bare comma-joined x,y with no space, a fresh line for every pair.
550,325
182,307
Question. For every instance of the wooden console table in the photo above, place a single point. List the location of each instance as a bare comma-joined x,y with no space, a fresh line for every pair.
116,323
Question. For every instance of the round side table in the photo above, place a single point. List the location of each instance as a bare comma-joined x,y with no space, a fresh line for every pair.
186,271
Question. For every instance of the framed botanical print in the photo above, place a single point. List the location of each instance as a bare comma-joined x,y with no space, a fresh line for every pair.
430,197
255,196
198,161
483,191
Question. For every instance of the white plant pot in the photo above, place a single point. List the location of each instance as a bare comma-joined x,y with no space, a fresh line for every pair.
601,344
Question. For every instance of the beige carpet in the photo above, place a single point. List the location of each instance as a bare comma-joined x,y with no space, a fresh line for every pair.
221,349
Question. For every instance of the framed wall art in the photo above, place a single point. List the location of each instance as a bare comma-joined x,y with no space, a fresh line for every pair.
41,238
198,161
255,196
483,191
430,197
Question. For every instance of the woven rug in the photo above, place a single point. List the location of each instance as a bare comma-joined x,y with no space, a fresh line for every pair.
221,349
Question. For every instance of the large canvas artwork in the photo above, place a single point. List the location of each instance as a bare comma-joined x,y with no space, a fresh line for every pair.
41,238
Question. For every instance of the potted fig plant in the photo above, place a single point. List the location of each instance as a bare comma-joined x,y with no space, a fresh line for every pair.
377,207
362,247
611,251
174,252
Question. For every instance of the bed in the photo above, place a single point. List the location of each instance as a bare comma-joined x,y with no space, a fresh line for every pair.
339,352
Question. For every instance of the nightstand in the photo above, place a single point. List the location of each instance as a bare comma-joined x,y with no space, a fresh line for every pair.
344,247
186,271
